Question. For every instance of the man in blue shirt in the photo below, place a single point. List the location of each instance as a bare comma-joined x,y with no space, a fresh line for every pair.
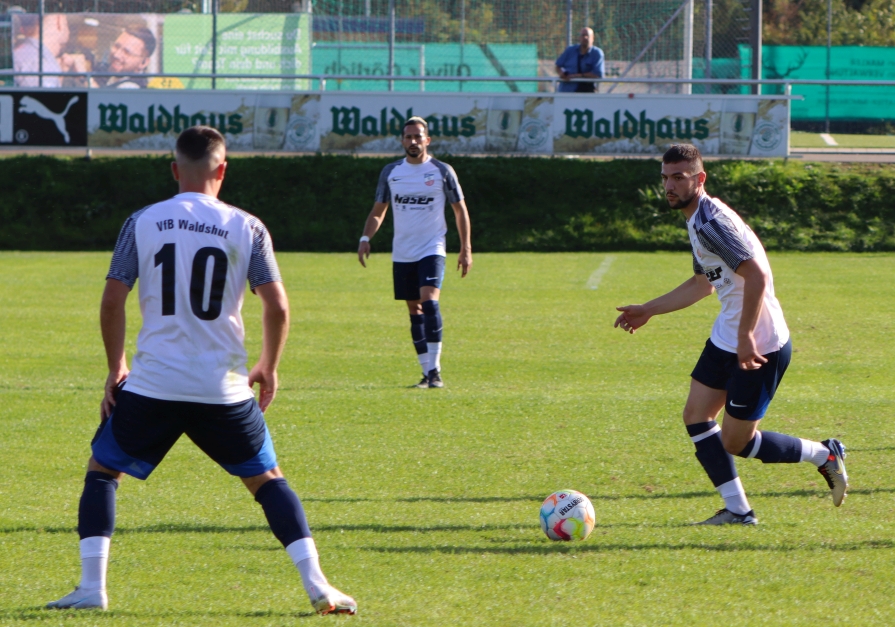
582,61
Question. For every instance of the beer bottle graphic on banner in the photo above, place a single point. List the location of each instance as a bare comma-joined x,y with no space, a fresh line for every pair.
271,117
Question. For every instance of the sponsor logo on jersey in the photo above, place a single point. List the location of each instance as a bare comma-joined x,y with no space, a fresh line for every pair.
413,200
429,178
713,274
581,123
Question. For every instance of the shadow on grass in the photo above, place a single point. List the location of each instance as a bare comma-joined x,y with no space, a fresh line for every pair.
211,528
40,613
591,547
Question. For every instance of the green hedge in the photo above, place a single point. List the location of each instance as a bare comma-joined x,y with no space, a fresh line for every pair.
319,203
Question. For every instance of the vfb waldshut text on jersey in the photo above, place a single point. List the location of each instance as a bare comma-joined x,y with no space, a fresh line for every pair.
186,225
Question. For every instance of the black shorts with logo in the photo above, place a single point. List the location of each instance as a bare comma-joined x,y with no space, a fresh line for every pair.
410,276
749,392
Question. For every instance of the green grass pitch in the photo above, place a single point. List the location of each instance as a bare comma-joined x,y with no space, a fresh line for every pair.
424,502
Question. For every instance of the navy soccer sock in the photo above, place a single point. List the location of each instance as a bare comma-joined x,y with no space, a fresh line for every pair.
432,321
433,325
284,512
718,465
96,511
773,448
418,333
717,462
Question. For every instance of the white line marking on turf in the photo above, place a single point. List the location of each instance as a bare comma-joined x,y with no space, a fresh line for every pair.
594,281
828,139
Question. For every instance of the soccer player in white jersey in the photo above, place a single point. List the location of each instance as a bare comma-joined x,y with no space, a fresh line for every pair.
418,187
748,351
193,255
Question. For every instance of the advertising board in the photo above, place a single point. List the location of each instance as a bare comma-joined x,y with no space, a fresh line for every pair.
46,117
371,123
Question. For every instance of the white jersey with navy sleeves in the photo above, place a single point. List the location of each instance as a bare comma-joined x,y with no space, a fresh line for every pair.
418,194
193,255
721,241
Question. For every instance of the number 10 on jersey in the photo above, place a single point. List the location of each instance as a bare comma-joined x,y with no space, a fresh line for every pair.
167,260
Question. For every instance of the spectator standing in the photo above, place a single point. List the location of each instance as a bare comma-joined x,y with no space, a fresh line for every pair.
582,61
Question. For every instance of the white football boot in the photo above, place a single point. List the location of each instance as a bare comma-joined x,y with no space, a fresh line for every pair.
82,600
333,601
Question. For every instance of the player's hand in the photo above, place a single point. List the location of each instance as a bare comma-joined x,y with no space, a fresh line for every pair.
748,356
464,262
267,385
363,253
632,317
113,383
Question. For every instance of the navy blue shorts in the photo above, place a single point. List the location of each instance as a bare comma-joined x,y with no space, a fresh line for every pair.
141,431
749,392
410,276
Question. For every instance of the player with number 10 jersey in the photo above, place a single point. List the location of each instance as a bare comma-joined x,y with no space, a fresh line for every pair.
193,254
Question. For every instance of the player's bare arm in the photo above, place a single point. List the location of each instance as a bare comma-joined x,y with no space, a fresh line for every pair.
275,326
113,324
464,228
755,283
689,292
371,226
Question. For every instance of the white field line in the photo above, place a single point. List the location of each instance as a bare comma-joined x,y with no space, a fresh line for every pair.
594,281
828,139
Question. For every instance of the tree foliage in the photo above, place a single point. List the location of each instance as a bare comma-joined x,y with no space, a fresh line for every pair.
854,23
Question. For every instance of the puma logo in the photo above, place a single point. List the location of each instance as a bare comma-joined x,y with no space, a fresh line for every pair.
29,105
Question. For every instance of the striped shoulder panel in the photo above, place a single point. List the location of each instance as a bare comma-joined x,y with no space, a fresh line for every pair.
263,267
719,235
452,190
382,188
125,265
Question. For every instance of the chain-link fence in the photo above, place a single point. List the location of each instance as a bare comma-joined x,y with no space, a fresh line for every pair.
407,38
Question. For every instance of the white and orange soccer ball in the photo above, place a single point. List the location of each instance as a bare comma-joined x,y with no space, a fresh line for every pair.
567,515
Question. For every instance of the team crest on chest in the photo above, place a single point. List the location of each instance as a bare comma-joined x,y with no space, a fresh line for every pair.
429,178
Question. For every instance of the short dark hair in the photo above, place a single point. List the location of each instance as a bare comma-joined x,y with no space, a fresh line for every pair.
199,142
145,35
684,152
416,120
26,23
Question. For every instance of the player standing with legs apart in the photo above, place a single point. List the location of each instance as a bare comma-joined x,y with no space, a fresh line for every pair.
418,187
748,351
193,255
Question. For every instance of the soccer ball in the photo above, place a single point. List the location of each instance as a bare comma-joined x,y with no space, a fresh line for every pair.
567,515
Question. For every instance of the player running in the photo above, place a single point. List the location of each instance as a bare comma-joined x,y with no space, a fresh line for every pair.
748,351
418,186
193,255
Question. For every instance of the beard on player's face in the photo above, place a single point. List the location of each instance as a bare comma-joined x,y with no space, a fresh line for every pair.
413,151
678,202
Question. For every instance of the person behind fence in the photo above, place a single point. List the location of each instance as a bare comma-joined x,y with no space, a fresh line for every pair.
129,57
582,61
27,51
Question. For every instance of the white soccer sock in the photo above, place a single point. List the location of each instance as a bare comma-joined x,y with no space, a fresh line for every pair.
734,496
424,362
304,555
94,562
434,356
814,452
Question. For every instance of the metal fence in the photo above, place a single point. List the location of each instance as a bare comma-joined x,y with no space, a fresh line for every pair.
438,38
